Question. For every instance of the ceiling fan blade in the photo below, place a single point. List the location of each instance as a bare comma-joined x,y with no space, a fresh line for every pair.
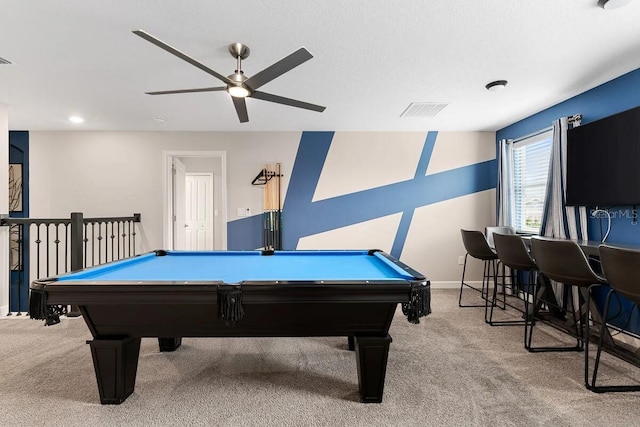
287,101
204,89
279,68
148,37
241,109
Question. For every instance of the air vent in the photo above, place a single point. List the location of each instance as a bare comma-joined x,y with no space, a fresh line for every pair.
423,109
4,61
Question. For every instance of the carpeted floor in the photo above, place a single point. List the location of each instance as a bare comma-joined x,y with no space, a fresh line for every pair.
450,370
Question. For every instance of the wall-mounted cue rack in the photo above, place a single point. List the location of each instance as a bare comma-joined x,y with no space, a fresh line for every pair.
270,177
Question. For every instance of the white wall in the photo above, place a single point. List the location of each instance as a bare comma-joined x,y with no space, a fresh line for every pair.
434,242
119,173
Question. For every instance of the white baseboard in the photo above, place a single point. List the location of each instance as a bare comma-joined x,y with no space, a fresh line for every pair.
4,310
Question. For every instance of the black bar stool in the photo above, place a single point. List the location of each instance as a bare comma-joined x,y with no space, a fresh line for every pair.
513,253
564,262
477,247
621,267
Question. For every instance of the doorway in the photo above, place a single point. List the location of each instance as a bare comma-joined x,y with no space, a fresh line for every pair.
195,205
200,208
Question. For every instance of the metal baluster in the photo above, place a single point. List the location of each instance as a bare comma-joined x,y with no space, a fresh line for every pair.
47,246
93,243
99,242
85,242
38,241
123,235
133,235
66,248
57,243
112,241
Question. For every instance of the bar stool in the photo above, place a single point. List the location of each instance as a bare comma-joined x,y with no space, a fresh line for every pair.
621,267
477,247
564,262
513,253
489,231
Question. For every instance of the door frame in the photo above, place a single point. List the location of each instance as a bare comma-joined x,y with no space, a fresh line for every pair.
178,206
167,201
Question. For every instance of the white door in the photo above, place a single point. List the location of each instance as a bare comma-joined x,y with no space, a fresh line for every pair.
179,205
199,211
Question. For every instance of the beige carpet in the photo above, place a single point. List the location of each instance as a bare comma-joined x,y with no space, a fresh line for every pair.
450,370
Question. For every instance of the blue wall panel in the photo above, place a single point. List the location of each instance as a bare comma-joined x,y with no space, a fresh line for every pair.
245,234
19,279
609,98
302,217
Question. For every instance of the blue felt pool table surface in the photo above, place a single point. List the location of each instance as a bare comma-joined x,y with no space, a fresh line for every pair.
239,266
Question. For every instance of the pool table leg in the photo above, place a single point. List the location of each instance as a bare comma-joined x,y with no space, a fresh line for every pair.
115,361
169,344
371,356
351,342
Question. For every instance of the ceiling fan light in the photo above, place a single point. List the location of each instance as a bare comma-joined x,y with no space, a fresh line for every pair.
238,91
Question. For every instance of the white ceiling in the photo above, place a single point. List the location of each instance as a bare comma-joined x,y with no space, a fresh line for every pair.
371,59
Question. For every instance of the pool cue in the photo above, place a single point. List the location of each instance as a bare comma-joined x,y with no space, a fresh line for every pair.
271,194
278,234
265,208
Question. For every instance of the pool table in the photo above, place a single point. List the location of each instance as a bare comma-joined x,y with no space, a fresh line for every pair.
175,294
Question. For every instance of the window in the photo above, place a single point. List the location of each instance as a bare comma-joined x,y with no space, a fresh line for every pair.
530,171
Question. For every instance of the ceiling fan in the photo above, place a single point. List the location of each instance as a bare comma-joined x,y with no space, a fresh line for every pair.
237,84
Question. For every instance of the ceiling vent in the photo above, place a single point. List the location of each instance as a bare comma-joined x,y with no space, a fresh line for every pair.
4,61
423,109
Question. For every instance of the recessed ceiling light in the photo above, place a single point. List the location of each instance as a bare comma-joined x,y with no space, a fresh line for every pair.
497,85
612,4
76,119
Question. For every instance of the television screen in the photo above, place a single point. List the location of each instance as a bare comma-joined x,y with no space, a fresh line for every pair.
603,161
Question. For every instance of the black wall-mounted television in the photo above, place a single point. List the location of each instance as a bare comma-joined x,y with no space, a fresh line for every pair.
603,161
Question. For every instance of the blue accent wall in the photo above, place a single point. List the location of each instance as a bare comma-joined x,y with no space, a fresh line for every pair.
617,95
302,217
19,279
245,234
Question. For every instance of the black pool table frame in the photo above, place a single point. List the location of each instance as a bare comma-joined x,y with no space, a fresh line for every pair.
120,314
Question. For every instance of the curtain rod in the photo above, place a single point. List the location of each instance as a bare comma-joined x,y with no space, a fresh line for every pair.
531,135
575,119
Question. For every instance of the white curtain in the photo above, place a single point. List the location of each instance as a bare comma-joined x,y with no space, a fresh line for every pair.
559,220
505,209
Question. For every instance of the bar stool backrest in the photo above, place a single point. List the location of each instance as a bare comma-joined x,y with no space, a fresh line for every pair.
476,245
502,229
563,261
621,267
512,252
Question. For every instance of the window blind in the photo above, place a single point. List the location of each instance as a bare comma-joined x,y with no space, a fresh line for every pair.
530,172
